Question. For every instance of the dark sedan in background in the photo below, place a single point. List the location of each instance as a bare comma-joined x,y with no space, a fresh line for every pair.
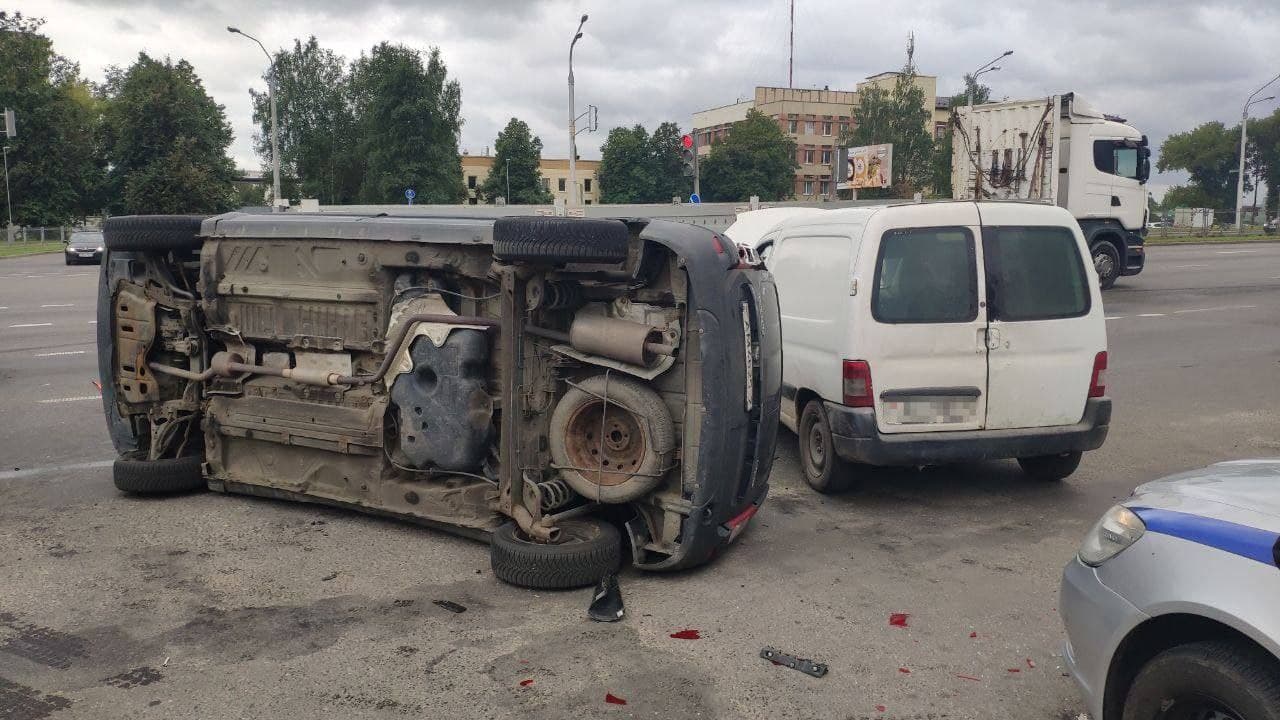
85,246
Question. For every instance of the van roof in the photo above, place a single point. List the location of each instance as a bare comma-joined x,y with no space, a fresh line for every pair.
751,226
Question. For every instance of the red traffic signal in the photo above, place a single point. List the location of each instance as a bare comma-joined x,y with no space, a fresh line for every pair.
686,140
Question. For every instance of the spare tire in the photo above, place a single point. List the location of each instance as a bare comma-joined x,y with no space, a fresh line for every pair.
556,241
587,551
156,477
152,233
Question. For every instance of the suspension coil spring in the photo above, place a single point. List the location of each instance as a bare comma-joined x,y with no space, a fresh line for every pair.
555,494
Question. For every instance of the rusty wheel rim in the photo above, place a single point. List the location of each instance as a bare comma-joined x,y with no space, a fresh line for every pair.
605,446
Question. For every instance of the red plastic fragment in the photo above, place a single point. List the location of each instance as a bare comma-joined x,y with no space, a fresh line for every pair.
973,634
899,619
97,385
614,699
1013,670
904,671
1031,663
686,635
968,677
880,708
526,683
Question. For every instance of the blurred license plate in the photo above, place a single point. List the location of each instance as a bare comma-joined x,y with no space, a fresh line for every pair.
86,255
931,410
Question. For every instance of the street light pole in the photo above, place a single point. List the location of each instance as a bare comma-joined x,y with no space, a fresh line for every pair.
1244,135
275,134
985,69
573,122
8,202
508,181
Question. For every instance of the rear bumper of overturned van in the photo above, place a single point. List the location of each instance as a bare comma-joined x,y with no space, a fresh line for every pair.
856,439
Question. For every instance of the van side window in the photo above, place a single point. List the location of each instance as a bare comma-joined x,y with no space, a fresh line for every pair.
1034,273
926,275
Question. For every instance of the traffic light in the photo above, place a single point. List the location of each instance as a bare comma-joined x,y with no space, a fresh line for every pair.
689,154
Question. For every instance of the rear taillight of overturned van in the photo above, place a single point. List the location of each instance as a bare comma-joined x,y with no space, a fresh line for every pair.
857,384
1098,383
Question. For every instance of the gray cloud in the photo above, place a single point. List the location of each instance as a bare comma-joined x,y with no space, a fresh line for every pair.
1166,65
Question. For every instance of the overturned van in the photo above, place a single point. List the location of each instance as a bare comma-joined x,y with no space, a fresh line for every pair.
552,385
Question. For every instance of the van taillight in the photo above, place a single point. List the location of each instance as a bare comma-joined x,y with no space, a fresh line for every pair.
1098,383
857,384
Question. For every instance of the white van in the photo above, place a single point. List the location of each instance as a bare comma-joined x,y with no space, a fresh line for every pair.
921,334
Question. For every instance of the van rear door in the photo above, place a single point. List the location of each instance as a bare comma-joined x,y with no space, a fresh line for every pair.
1045,314
926,342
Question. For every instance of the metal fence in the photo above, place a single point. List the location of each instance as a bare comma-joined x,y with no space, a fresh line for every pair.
1209,222
17,234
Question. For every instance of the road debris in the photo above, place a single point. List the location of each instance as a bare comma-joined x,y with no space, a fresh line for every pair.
614,699
606,600
526,683
968,677
973,634
1031,663
687,634
329,577
881,708
904,671
899,619
451,606
808,667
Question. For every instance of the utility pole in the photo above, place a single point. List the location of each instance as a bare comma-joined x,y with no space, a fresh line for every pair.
508,181
8,202
697,174
791,55
275,134
573,123
1244,136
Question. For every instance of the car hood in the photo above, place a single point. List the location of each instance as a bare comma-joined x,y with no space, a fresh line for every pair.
1242,491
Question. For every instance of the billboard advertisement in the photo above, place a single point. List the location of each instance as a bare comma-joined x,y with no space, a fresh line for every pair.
869,166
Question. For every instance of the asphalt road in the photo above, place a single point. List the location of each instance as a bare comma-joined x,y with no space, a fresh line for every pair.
214,606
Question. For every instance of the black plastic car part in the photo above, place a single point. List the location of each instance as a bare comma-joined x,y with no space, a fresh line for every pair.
446,415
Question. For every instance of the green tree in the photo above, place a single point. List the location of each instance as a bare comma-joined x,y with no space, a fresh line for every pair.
166,141
1209,154
318,156
898,116
516,156
755,159
1264,141
408,122
626,170
55,171
1185,196
667,159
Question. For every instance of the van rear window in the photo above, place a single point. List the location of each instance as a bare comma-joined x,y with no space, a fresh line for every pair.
926,275
1034,273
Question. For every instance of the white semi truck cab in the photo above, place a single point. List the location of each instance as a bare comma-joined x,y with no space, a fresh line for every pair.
1059,149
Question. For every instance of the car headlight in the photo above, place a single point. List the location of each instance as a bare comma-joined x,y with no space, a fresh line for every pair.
99,248
1118,528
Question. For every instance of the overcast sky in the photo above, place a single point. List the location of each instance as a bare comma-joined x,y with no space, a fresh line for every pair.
1166,65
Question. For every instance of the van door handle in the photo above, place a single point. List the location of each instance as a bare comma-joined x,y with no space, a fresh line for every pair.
988,339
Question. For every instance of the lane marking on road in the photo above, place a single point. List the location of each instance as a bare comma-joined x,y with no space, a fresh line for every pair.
1116,317
1225,307
4,307
58,305
1235,252
27,325
1181,267
64,352
1151,315
93,322
81,398
18,474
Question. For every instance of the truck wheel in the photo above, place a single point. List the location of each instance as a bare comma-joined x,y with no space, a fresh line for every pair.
152,233
823,469
1206,680
587,551
158,477
1051,468
1106,260
556,241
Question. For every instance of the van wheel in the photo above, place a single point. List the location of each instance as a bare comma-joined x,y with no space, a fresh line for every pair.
823,470
1051,468
1206,680
158,477
587,551
1106,260
555,241
153,233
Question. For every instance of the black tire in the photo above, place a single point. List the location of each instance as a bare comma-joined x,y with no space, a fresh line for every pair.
589,550
152,233
555,241
122,433
158,477
68,259
1236,680
1051,468
1106,260
822,468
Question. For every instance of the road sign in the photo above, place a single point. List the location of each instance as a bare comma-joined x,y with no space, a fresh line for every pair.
409,195
695,199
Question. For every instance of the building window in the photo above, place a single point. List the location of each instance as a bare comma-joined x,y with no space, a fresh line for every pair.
825,187
826,157
586,185
808,157
706,138
844,128
587,201
826,129
808,127
471,182
792,124
561,185
939,130
808,187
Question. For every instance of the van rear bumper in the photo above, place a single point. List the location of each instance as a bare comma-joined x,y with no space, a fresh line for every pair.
856,439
